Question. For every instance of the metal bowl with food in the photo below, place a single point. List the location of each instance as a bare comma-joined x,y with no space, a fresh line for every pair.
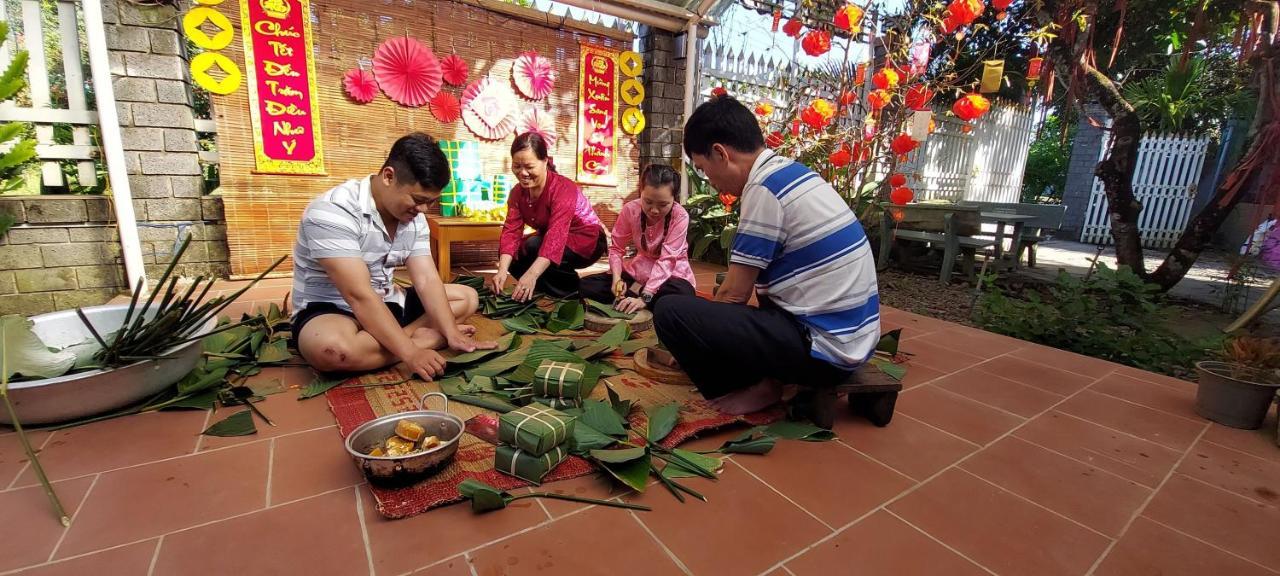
406,447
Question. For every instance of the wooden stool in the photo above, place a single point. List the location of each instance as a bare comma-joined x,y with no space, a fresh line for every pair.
446,231
600,323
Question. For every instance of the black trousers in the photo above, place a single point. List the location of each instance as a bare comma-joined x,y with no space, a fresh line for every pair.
599,287
728,347
561,279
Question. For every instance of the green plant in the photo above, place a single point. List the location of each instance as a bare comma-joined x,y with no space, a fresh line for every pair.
712,224
1193,96
1113,315
1045,175
21,150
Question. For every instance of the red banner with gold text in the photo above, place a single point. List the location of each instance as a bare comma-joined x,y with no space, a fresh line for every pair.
282,86
597,116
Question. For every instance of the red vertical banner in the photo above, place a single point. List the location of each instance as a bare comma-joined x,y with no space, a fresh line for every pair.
282,86
597,116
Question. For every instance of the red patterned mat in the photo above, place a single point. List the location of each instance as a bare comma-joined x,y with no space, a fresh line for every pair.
356,402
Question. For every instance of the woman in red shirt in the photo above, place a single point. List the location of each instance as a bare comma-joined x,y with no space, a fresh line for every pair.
568,234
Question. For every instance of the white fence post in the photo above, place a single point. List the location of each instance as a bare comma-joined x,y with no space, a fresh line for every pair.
1164,182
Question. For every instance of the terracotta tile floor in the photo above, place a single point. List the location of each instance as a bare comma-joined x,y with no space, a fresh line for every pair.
1004,458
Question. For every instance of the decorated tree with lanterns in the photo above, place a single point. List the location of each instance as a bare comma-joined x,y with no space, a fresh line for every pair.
1086,40
859,119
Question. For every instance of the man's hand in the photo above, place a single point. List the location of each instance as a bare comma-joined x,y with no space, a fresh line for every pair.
524,287
619,288
426,363
463,342
498,282
629,305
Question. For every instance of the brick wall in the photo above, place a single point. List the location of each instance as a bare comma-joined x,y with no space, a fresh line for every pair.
664,97
1085,152
64,251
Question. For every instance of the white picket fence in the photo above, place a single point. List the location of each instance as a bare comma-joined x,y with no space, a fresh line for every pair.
42,111
1164,182
983,165
750,76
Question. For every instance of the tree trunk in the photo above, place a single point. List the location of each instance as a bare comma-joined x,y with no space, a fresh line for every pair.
1258,169
1069,52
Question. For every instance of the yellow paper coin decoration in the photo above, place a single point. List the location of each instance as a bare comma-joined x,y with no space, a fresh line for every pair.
632,91
632,121
208,2
197,16
630,64
203,62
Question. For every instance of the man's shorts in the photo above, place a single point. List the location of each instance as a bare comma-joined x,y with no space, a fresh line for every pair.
412,310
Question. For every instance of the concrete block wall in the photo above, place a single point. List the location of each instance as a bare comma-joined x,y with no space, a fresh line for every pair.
1085,152
664,97
64,251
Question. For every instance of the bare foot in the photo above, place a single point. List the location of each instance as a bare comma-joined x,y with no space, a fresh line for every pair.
758,397
427,338
467,329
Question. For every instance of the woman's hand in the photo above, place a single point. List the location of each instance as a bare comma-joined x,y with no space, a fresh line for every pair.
629,305
498,282
524,287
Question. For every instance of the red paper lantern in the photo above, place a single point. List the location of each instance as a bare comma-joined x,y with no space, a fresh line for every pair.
861,153
842,156
860,74
918,97
886,79
727,199
795,127
1001,5
764,109
816,42
903,144
965,11
773,140
792,28
901,195
971,107
949,24
719,91
777,17
897,180
848,97
879,99
849,17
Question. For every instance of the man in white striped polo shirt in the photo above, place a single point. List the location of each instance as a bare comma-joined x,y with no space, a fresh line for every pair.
802,251
349,315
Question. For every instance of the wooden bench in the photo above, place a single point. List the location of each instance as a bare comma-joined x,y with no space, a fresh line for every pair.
955,235
1047,220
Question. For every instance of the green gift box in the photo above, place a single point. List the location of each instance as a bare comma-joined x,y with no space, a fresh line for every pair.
535,428
559,379
524,465
558,403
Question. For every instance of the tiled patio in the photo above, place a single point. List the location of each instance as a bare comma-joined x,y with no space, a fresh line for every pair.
1004,458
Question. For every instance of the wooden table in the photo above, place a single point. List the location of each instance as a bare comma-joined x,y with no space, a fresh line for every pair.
446,231
1001,219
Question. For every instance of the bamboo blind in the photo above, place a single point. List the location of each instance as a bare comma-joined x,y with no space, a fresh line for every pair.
263,210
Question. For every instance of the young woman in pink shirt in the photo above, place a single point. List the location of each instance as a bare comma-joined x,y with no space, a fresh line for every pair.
655,225
568,237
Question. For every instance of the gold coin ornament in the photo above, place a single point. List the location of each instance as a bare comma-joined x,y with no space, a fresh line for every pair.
196,17
632,92
632,121
205,61
630,64
208,2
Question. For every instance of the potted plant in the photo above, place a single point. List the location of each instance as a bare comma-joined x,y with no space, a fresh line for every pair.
1238,389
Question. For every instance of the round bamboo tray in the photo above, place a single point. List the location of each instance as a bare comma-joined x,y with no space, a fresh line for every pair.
658,372
600,323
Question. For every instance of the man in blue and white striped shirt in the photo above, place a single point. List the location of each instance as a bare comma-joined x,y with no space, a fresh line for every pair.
800,248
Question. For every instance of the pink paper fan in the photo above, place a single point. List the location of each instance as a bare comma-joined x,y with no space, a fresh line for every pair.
407,71
488,109
360,85
541,123
533,75
445,107
455,70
